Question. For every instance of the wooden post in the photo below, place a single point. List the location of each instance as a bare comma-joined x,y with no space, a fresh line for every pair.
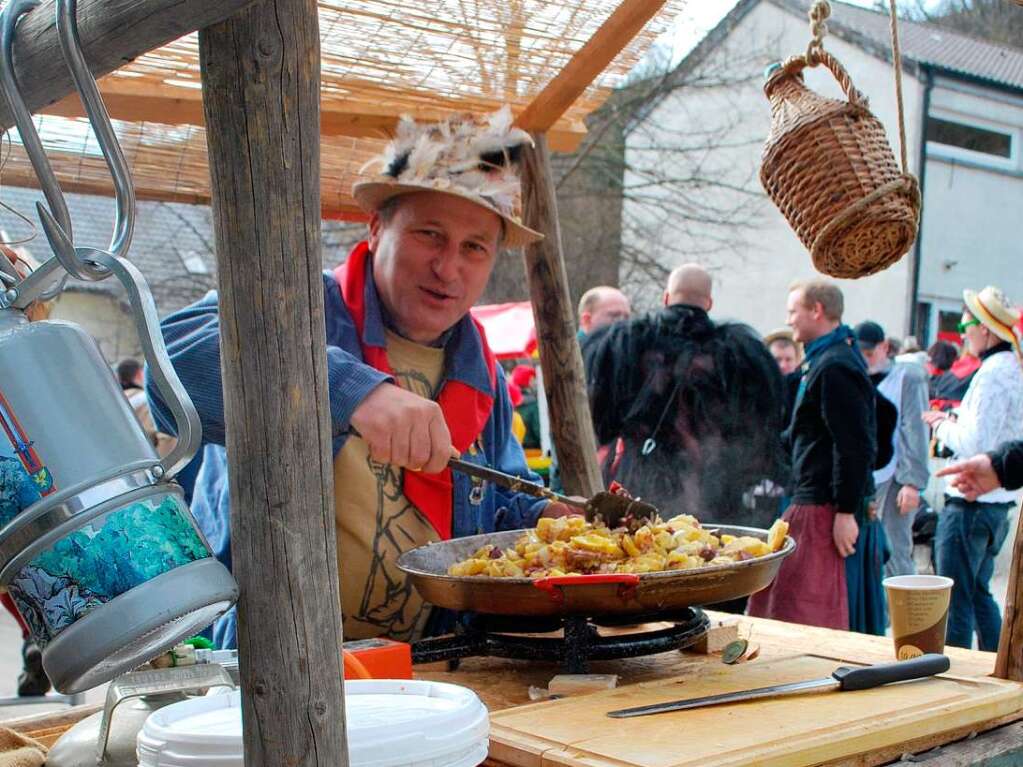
112,34
564,380
571,425
1009,662
261,87
575,77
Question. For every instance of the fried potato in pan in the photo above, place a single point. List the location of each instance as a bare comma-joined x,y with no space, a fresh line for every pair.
573,546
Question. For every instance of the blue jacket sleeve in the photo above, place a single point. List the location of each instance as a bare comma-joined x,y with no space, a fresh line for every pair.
192,336
514,510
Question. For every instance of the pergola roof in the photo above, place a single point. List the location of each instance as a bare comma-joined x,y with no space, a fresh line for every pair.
380,59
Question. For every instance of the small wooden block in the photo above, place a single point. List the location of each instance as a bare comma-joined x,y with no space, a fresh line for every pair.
578,684
718,635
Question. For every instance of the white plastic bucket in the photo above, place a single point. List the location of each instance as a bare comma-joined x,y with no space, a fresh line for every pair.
391,723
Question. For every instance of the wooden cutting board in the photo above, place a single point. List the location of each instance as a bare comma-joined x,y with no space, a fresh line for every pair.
799,730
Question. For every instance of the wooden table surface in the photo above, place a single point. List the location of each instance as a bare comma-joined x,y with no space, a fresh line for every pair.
505,684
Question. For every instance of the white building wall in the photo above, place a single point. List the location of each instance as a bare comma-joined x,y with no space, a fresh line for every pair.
104,318
752,277
972,203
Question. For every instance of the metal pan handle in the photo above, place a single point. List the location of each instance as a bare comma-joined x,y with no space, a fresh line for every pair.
554,585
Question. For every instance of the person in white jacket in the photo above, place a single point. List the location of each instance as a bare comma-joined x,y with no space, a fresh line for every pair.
970,533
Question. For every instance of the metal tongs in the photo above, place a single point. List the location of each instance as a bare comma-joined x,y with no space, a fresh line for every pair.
88,263
613,509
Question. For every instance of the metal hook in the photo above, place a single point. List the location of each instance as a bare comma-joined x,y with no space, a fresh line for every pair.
26,128
88,91
23,118
57,226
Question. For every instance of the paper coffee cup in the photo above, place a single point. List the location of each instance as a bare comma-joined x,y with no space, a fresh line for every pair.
918,606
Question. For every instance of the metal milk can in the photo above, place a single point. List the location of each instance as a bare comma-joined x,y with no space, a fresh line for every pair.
97,547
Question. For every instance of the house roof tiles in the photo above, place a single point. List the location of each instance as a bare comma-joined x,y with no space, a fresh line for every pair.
922,43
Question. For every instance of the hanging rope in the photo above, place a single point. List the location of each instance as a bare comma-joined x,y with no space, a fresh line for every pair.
819,14
820,11
897,61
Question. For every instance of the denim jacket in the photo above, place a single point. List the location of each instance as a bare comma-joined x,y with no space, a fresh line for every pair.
192,336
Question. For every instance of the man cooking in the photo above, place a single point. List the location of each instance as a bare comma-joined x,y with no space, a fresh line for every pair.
411,379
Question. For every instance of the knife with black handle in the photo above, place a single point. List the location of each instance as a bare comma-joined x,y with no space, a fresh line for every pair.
843,679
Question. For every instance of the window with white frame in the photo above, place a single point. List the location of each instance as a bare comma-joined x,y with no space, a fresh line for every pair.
959,136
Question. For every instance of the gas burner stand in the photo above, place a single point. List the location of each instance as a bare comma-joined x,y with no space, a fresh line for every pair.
502,636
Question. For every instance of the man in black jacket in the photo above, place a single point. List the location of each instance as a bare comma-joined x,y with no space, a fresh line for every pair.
988,471
832,438
696,404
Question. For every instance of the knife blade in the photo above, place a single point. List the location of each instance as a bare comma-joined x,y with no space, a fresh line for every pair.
843,678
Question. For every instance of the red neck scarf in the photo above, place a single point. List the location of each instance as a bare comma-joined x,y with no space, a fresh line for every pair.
465,408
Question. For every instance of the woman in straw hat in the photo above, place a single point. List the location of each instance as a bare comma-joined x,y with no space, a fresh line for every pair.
970,533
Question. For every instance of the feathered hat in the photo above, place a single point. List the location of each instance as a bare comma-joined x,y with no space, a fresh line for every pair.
475,158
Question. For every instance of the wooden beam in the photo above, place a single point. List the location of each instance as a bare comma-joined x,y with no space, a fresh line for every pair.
261,88
113,32
589,61
131,101
28,180
135,108
564,380
1009,661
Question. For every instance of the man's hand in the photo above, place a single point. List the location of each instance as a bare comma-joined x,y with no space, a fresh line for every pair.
844,532
972,477
908,499
404,429
559,509
933,417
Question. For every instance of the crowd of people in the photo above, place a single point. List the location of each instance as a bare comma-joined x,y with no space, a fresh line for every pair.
838,435
830,426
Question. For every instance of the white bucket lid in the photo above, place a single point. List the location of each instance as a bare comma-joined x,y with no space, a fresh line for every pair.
391,723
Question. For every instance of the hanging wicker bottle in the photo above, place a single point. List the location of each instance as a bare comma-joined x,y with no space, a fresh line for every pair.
828,167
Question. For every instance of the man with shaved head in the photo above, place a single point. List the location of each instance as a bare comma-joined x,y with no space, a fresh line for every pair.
695,403
689,284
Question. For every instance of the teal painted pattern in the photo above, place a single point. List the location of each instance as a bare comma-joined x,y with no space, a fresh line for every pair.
102,560
17,490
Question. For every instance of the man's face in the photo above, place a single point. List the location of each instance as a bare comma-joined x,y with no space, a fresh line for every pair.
877,357
803,320
611,308
784,354
432,260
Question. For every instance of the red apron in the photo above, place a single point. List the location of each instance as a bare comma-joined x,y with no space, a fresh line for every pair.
810,586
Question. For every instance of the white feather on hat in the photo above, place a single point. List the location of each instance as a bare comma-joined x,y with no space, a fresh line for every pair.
472,157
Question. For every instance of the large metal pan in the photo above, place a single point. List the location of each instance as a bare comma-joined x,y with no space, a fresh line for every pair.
625,594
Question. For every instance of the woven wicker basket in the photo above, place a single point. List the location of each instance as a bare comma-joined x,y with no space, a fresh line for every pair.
828,167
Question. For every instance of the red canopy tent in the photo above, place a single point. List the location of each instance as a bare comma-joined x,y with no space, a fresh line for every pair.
511,333
510,328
